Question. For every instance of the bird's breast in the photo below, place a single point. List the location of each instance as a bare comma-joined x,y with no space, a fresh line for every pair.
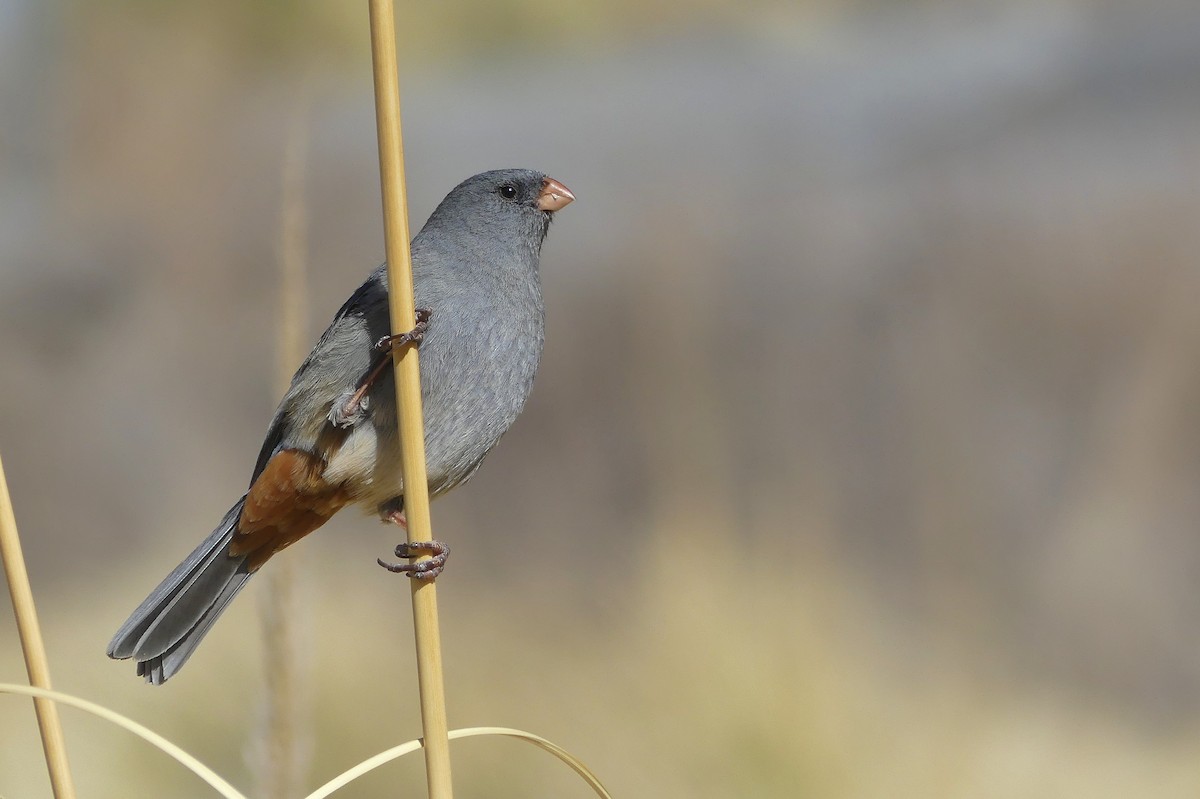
478,361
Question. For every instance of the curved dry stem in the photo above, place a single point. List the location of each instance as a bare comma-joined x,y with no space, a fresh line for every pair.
337,783
199,769
387,756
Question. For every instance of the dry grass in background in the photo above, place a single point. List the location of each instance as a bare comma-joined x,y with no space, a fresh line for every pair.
283,737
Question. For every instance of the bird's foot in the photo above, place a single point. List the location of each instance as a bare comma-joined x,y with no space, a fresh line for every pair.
414,336
422,569
350,407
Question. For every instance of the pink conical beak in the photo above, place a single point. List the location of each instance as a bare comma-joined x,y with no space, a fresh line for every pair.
554,195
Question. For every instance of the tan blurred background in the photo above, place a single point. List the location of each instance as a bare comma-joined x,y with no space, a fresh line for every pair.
864,459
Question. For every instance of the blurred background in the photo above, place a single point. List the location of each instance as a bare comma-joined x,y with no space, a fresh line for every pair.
864,456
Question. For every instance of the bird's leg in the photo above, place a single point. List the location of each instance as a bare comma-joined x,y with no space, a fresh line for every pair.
421,570
351,406
349,409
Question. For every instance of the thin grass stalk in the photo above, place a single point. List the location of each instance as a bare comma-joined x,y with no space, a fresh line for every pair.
370,764
32,646
282,741
215,780
348,776
408,394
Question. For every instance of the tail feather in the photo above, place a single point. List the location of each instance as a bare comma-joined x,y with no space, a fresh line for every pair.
165,629
159,668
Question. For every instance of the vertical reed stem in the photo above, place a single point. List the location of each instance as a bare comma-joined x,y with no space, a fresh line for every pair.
408,394
282,738
32,646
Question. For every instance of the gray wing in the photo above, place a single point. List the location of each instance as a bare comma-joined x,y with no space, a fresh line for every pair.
338,361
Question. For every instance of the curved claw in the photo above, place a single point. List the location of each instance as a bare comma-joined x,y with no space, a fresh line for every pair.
422,569
414,336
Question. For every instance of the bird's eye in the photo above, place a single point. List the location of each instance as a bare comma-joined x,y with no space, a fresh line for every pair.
508,192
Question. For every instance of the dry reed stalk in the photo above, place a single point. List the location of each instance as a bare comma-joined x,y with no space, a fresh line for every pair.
408,394
370,764
282,743
348,776
202,771
32,646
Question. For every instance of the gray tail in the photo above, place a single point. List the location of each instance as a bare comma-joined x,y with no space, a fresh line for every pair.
168,626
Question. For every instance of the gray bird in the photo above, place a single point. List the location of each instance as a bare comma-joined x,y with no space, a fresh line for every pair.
333,440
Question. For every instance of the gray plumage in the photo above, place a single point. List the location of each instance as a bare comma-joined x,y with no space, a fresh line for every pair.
475,265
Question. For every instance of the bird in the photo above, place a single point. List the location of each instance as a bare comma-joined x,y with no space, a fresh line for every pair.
333,440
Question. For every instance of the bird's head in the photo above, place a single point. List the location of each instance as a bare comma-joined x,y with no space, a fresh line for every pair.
503,205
